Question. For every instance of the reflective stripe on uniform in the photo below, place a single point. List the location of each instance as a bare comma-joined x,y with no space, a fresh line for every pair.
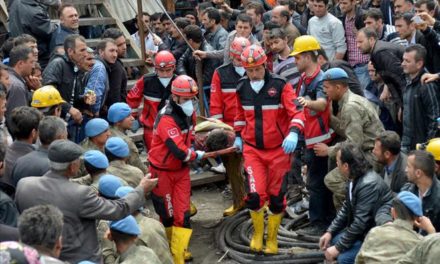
319,139
298,121
217,116
153,99
230,90
270,107
239,123
188,156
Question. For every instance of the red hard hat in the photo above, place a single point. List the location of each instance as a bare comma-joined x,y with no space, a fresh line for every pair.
253,56
184,85
237,46
164,59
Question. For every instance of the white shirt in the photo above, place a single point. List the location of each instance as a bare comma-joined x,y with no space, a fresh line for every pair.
149,43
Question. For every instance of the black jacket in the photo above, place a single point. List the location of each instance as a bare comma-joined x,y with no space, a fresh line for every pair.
421,107
387,58
432,45
66,77
177,48
430,202
358,18
31,17
118,84
187,64
398,176
370,206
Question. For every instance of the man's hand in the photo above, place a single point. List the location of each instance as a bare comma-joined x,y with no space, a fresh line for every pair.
90,98
425,223
148,184
321,150
227,8
76,115
199,54
331,253
429,77
33,82
157,40
427,18
324,241
303,101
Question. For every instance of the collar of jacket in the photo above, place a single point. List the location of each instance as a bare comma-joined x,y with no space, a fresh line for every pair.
344,99
130,251
69,29
18,76
106,64
403,224
416,80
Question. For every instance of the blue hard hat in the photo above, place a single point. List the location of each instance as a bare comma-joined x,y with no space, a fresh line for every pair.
118,147
123,191
127,225
118,112
95,127
335,74
412,202
96,158
108,184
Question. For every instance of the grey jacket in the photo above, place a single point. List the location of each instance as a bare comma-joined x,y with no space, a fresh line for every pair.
35,163
217,39
18,93
81,207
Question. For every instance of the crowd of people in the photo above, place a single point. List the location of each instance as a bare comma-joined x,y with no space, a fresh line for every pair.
347,91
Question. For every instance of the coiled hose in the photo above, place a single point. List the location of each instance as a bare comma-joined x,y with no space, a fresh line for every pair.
233,238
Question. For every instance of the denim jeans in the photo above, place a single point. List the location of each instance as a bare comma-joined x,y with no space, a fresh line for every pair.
348,256
361,73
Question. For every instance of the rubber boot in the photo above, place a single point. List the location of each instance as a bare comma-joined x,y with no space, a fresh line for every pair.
179,242
258,223
273,223
233,210
192,209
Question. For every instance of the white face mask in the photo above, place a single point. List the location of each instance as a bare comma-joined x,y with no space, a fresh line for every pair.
257,85
164,81
187,108
239,70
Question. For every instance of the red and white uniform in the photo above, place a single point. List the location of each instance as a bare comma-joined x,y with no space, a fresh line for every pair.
263,120
155,96
169,157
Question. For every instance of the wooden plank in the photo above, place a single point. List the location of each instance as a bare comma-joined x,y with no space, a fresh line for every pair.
92,21
205,178
83,2
132,62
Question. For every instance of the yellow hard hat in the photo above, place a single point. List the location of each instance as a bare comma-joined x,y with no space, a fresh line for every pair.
46,96
432,146
305,43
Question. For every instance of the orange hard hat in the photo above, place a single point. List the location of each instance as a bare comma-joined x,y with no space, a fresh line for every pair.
184,85
253,56
237,46
164,59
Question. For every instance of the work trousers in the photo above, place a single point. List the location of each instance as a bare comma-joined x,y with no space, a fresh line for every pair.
171,196
266,171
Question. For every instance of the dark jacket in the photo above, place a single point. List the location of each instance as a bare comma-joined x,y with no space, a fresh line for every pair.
65,76
58,37
35,163
430,202
31,17
421,108
398,176
385,7
217,39
118,84
370,206
187,64
387,58
432,45
177,48
358,18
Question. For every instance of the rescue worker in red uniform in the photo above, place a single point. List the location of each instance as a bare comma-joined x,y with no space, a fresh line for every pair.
222,107
155,89
169,157
316,107
267,125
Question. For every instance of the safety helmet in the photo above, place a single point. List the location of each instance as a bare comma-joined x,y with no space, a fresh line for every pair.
305,43
46,96
164,59
253,56
237,47
184,85
432,146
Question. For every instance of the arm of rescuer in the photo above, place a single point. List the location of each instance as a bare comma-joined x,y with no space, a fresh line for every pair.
134,97
296,116
174,140
216,101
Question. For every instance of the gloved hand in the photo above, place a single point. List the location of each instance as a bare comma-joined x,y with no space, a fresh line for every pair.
290,142
135,126
199,155
238,143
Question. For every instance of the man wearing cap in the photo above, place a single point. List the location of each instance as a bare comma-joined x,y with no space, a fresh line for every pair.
269,123
391,241
316,107
152,234
356,121
222,106
155,89
169,158
120,118
80,205
420,170
117,152
125,233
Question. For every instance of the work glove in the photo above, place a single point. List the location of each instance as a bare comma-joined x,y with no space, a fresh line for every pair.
135,126
290,142
199,155
238,143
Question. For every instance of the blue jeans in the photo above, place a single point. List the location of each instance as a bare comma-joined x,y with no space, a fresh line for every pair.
361,73
348,256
